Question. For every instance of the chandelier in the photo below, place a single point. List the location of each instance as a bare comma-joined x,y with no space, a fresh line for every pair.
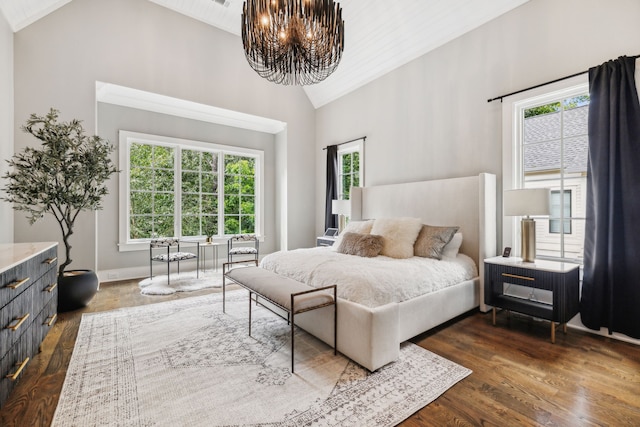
293,42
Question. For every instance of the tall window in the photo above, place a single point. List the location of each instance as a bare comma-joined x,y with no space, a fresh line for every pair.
550,147
172,188
350,169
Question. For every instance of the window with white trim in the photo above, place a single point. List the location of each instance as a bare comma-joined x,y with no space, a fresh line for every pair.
350,170
547,147
187,189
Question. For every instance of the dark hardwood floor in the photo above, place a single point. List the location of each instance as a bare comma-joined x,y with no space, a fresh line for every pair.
519,377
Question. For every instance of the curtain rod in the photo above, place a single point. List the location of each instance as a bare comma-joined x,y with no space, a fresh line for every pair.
542,84
363,138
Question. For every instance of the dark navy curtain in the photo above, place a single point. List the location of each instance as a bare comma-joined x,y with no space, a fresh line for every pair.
611,284
331,220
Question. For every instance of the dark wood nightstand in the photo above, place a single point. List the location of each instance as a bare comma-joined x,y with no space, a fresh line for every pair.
559,279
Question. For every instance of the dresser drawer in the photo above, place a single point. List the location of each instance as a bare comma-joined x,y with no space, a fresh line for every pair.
13,364
46,288
44,262
44,322
16,279
15,319
13,282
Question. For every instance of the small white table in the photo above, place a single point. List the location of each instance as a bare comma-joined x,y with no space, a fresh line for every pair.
203,251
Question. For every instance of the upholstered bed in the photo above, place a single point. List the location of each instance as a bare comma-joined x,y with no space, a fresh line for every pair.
384,301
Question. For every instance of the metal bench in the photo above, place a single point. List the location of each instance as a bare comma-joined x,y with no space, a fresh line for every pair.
284,293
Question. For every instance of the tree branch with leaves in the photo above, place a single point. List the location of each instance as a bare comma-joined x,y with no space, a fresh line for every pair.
66,175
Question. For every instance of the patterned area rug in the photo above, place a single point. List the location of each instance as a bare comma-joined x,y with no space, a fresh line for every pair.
183,282
185,363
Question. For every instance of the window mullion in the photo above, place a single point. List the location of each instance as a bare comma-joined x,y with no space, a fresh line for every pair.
177,191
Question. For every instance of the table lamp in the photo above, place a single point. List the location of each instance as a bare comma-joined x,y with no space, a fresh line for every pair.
525,202
342,208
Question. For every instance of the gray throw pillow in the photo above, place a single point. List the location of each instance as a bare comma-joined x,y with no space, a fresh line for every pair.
432,240
364,245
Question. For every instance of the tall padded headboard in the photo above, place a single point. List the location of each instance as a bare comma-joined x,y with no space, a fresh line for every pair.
469,202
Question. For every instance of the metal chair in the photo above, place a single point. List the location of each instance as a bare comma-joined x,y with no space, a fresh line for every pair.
172,254
243,244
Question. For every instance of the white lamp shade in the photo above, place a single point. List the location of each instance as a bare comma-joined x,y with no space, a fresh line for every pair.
526,201
340,207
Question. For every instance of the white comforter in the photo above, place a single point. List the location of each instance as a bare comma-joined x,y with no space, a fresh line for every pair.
371,281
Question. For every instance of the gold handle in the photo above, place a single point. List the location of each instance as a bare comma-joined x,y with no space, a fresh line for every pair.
519,277
51,320
21,366
18,283
51,287
51,260
17,325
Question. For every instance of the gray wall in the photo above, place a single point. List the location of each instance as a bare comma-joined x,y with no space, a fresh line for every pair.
430,118
113,118
6,122
138,44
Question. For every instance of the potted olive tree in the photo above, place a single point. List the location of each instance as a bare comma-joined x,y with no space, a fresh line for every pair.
66,175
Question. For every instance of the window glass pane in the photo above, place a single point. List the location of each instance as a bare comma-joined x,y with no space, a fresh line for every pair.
140,179
190,182
190,160
209,225
232,224
141,155
163,226
247,224
163,180
163,157
209,183
141,203
190,204
141,227
247,205
163,203
191,225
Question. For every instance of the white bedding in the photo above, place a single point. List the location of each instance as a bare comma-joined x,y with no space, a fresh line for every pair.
371,282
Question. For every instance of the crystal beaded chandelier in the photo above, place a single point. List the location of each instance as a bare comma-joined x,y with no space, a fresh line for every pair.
293,42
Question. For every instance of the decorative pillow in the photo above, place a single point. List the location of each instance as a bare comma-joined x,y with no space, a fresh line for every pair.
432,240
451,249
399,235
360,227
365,245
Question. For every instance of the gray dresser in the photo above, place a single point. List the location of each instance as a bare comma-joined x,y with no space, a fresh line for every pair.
28,306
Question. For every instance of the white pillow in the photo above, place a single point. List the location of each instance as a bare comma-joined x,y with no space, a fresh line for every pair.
399,235
360,227
451,249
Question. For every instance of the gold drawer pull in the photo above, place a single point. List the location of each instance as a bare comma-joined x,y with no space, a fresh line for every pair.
18,283
51,320
51,287
21,366
50,260
21,321
519,277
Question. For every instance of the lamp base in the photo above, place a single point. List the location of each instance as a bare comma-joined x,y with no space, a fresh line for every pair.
528,241
341,223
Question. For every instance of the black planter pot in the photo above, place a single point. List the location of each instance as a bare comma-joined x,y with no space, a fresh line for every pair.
75,289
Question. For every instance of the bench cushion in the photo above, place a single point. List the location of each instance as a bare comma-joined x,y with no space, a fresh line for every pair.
174,256
278,288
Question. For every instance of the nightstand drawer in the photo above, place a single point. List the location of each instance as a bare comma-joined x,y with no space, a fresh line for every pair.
325,241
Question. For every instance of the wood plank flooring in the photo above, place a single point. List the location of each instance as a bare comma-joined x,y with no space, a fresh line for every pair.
519,378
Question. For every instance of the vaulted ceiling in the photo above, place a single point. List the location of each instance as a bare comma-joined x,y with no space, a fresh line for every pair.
380,35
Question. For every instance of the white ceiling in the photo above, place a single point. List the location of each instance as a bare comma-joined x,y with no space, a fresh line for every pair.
380,35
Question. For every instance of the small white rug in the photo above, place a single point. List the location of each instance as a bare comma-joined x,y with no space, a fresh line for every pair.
183,282
185,363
